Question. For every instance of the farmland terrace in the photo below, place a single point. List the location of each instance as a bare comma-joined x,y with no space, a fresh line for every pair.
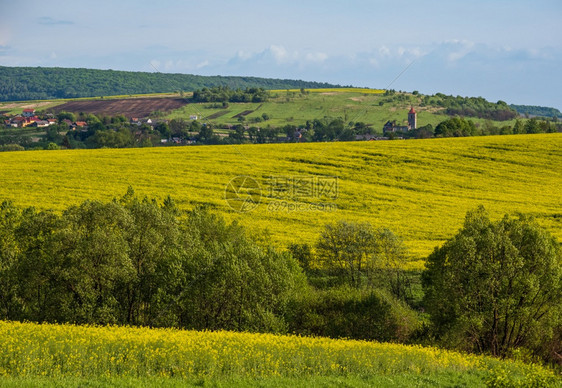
129,107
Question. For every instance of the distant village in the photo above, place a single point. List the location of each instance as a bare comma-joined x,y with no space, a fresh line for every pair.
30,118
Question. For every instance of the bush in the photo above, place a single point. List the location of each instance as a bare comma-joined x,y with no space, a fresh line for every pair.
11,147
350,313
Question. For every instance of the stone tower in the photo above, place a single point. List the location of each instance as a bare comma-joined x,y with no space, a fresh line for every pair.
412,119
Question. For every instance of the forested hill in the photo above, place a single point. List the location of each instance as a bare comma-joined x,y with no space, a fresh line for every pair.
533,110
40,83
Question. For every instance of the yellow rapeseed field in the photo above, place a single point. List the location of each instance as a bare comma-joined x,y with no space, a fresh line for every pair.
28,349
420,189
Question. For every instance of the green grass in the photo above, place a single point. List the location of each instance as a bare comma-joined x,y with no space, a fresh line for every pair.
352,105
421,189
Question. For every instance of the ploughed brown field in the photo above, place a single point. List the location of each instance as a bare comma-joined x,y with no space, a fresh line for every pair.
129,107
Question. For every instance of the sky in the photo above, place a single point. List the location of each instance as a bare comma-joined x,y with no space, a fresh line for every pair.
508,50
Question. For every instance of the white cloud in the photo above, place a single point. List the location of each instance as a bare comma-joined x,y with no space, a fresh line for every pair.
316,57
203,64
279,53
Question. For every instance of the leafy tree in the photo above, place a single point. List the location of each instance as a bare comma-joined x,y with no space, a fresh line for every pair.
347,247
66,116
194,126
231,283
456,126
391,256
238,133
53,135
253,133
89,254
10,219
495,286
303,254
206,134
532,126
154,244
518,127
178,127
164,130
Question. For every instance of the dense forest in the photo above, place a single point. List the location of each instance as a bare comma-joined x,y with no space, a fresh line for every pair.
42,83
533,110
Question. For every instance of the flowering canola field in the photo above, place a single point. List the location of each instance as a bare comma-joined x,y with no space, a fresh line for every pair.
420,189
28,349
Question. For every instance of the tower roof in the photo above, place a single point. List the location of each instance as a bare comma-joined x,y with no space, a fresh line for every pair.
412,110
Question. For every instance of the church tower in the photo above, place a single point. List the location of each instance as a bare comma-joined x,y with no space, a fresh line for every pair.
412,119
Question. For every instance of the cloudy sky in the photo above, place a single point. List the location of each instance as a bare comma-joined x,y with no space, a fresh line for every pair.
498,49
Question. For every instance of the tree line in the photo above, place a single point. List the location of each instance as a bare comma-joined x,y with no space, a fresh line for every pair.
43,83
534,110
226,94
495,287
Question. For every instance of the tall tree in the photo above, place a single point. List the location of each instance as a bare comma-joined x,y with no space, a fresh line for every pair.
495,286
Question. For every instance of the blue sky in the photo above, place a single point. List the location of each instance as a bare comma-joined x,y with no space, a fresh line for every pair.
497,49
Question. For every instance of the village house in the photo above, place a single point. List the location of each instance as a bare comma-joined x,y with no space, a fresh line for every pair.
40,123
28,113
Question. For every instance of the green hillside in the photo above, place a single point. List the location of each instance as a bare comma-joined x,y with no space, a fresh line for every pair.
540,111
368,106
43,83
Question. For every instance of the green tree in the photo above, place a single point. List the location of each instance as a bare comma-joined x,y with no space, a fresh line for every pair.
66,116
495,286
238,133
231,282
347,247
518,127
206,134
89,256
10,219
390,257
253,133
153,240
303,254
164,130
532,126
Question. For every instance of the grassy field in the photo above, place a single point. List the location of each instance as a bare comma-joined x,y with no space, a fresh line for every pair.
67,355
421,189
352,105
291,106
